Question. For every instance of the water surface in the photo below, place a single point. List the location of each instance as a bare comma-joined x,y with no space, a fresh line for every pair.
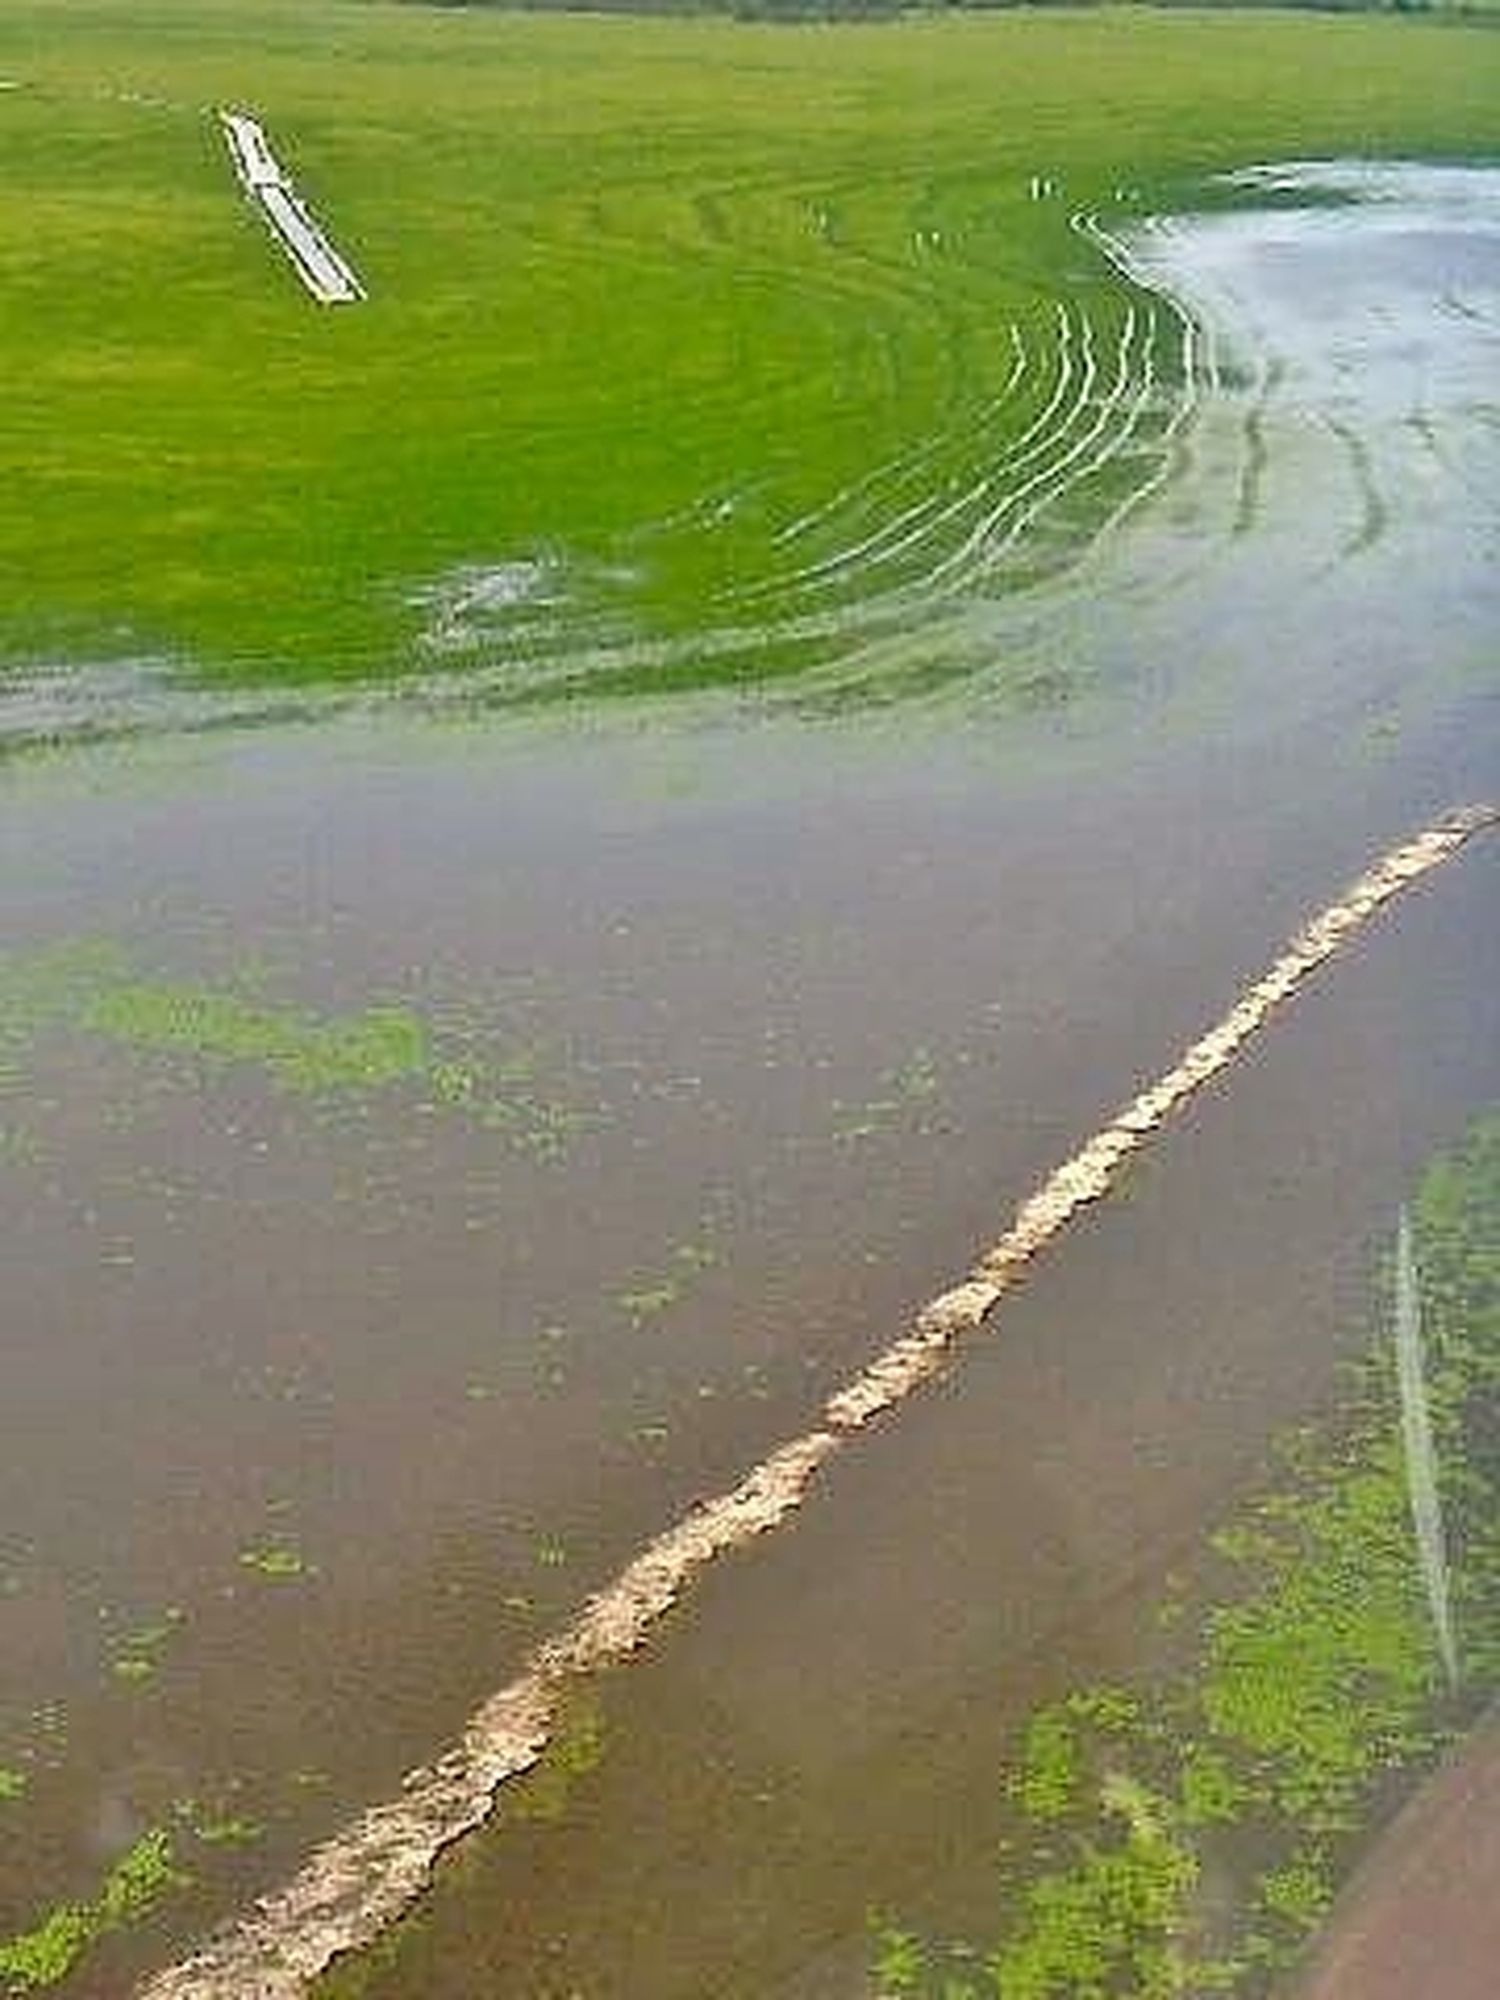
437,1150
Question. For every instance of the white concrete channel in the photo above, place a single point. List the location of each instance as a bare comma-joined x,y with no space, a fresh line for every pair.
320,267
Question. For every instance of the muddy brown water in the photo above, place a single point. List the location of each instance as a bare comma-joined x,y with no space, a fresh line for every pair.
806,1008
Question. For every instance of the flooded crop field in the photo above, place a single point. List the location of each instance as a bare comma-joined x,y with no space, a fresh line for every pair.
457,1119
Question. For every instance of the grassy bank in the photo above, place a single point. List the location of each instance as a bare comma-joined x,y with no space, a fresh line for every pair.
646,297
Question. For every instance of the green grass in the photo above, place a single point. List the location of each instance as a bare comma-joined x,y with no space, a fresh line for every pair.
1311,1674
642,294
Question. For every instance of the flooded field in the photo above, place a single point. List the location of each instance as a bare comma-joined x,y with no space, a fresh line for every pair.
439,1149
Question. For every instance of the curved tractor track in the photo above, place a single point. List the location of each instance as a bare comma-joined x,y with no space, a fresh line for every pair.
1095,388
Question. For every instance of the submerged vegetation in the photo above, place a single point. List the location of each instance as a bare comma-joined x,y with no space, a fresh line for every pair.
136,1655
696,352
155,1867
94,990
45,1955
303,1054
1184,1835
277,1561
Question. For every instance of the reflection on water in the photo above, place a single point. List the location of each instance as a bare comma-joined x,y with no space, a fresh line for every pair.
326,1390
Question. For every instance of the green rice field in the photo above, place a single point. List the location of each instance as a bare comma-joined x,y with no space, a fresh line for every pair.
694,350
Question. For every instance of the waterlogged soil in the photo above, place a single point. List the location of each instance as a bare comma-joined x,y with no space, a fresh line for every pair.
434,1153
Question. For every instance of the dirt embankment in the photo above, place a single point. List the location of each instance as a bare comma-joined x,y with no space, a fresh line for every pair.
1422,1917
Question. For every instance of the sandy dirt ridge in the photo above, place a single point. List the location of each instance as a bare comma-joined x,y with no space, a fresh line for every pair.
363,1879
322,270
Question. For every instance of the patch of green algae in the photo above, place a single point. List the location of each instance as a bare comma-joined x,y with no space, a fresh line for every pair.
151,1871
302,1052
1312,1678
94,989
47,1953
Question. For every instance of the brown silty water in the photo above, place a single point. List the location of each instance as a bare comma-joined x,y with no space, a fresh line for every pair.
781,1020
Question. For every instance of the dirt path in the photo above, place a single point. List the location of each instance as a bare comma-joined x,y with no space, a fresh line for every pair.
1422,1917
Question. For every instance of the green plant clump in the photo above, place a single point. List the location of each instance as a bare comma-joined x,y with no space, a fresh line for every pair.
277,1561
45,1955
92,989
136,1655
302,1053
